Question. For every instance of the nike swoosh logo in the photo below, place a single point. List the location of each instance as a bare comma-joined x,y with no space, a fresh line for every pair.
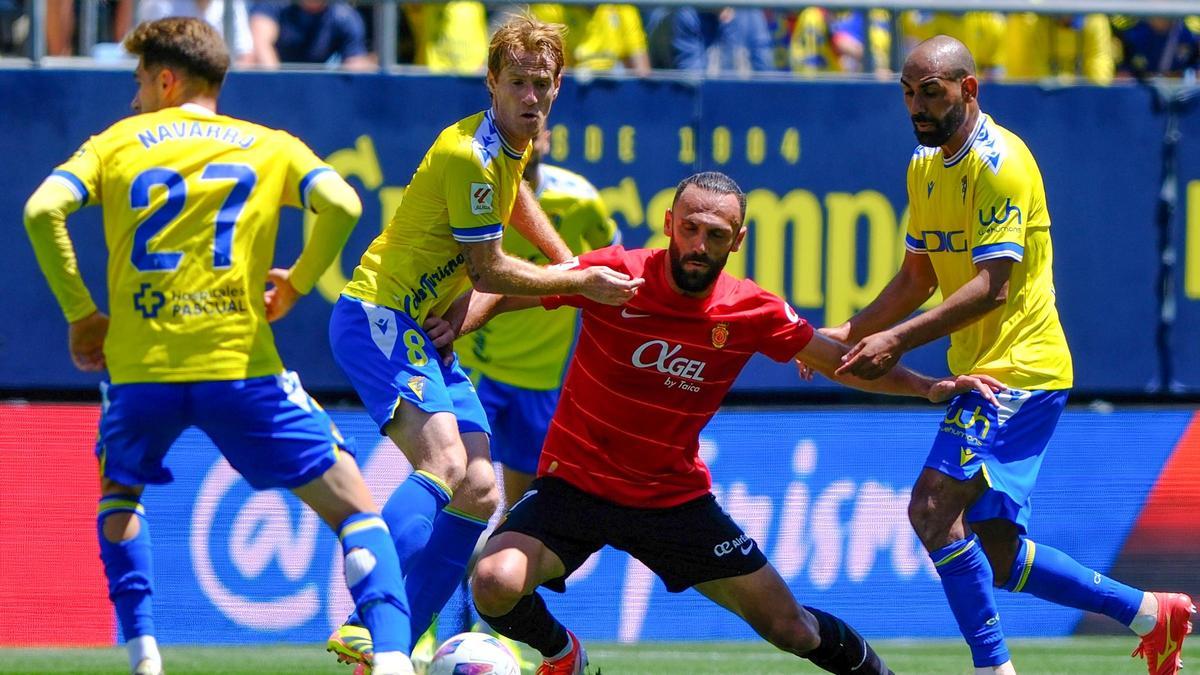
749,547
630,315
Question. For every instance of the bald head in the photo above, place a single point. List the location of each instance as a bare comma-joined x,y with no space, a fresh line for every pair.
940,56
941,92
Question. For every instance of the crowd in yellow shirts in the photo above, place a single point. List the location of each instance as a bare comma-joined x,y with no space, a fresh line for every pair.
451,37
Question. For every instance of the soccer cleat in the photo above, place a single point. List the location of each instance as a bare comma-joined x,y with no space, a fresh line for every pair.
1161,647
351,644
148,667
574,663
422,653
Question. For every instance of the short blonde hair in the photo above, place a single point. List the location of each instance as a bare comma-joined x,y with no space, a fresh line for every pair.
188,44
523,33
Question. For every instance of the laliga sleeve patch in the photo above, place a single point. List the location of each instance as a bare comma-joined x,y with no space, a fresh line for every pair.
482,195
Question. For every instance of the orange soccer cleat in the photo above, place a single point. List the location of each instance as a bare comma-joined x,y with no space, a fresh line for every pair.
574,663
1161,647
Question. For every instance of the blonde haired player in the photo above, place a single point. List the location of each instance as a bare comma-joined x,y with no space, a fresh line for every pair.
191,204
444,239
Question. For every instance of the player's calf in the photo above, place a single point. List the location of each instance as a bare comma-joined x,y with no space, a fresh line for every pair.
373,577
842,649
128,564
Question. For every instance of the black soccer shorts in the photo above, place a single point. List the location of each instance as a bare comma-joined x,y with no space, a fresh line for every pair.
684,545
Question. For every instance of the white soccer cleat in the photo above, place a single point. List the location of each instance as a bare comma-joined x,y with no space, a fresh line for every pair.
148,667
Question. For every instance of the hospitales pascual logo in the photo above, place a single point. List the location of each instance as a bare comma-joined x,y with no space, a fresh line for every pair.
252,552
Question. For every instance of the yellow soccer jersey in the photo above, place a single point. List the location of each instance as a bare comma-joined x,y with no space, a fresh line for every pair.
191,207
598,37
450,37
462,192
529,349
987,202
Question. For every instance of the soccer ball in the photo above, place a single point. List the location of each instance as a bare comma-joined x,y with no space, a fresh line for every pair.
473,654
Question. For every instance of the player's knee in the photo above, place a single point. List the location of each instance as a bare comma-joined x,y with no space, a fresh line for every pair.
479,494
496,586
120,526
450,467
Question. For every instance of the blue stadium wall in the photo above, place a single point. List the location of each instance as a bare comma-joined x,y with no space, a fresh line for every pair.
823,162
822,491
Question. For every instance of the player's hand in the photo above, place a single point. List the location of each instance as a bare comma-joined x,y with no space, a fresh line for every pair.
442,335
804,370
281,296
949,387
840,333
85,339
872,357
608,286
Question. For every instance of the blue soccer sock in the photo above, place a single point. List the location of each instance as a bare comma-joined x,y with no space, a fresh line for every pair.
438,570
410,513
374,579
129,566
1050,574
967,581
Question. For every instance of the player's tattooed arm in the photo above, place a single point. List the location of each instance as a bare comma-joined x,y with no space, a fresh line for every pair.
533,224
493,271
825,356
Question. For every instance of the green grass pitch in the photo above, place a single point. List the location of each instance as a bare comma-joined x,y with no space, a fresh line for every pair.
1084,656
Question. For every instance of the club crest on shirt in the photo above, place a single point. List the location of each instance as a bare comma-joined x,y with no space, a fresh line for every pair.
481,198
720,335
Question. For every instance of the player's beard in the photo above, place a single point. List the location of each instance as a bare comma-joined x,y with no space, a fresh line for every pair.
943,128
692,281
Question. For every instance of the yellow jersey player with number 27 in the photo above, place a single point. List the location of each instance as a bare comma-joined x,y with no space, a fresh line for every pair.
191,203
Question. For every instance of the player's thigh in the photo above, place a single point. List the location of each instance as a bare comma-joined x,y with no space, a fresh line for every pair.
569,523
392,366
269,429
138,424
764,601
511,565
689,544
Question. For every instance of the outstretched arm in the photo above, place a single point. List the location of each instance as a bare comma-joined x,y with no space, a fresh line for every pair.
913,284
825,355
494,271
987,290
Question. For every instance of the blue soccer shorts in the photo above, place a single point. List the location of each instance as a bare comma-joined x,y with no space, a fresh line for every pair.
520,419
1006,443
268,428
388,358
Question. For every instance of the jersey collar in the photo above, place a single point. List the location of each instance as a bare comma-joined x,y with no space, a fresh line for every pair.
504,144
966,148
197,109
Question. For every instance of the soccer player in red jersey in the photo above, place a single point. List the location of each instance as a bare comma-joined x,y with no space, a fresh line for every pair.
620,465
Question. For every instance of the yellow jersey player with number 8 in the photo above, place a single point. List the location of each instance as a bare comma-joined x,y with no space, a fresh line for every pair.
191,203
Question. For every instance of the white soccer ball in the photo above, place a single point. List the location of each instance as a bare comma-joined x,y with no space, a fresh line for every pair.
473,654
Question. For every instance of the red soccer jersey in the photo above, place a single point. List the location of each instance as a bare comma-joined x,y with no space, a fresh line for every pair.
647,376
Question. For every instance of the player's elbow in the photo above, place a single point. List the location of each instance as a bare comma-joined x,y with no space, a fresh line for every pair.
38,213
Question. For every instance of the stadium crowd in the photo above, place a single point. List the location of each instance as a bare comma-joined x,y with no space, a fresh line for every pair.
451,37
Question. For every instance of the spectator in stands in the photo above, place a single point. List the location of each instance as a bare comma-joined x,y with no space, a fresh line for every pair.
213,13
712,41
823,40
982,32
1159,46
600,37
60,24
449,37
1063,46
308,31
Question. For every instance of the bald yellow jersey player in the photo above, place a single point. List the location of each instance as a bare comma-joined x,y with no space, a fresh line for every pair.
980,231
